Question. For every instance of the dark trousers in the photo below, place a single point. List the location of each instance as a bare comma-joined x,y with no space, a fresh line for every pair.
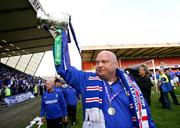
173,96
55,123
147,95
35,94
164,99
72,113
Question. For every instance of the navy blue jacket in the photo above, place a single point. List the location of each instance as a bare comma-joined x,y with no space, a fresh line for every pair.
53,105
70,96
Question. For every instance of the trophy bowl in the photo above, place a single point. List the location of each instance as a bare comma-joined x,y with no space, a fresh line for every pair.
56,20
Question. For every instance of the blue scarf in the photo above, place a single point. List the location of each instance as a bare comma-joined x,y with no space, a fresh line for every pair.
137,102
93,99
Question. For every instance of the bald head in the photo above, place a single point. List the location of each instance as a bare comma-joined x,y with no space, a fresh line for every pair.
108,54
106,65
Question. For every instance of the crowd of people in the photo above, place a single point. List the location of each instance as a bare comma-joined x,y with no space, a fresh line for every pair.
13,82
167,81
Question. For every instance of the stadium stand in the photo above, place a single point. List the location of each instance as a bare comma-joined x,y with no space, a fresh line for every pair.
172,62
20,40
163,54
18,82
169,61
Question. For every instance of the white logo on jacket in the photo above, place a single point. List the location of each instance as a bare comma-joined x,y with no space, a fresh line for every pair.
51,101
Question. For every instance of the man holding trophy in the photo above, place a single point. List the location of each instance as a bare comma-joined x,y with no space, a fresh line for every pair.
110,98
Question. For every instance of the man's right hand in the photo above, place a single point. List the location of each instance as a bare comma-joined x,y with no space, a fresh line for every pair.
42,119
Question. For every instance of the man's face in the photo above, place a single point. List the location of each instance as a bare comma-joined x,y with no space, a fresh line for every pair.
105,65
160,72
57,84
49,84
142,71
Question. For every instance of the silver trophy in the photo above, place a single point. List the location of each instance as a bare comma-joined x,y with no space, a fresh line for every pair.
53,20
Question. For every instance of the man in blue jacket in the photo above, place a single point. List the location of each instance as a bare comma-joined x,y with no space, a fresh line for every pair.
111,99
71,100
165,87
53,106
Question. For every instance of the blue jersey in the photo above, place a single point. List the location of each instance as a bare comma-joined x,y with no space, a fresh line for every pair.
172,75
59,88
122,118
70,96
157,76
53,105
178,75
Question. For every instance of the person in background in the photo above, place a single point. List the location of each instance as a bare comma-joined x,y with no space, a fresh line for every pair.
58,84
71,100
172,77
165,87
7,91
20,85
173,95
35,90
41,89
3,91
178,76
1,83
145,83
53,106
13,89
142,77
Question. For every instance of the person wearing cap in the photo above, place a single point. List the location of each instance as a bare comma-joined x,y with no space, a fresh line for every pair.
53,106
